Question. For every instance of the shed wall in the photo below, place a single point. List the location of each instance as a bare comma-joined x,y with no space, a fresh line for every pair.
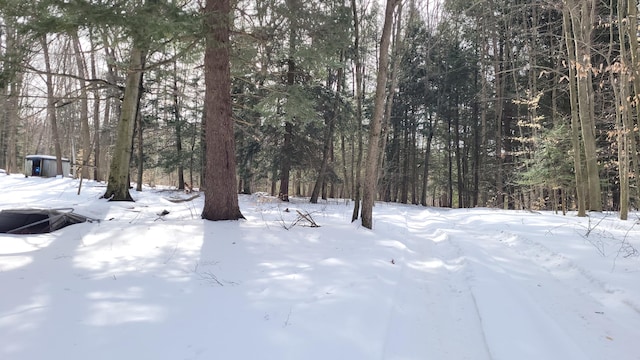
47,166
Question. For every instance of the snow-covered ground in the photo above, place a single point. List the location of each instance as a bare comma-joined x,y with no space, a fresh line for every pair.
426,283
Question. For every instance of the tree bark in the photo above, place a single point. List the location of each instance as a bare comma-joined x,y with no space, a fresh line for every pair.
287,146
285,161
84,106
118,184
140,146
359,89
13,117
582,21
635,76
623,111
500,84
51,109
427,163
326,152
13,89
403,175
460,188
97,174
575,120
371,163
221,195
346,189
178,126
111,105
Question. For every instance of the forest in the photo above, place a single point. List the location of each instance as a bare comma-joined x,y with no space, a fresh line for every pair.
510,104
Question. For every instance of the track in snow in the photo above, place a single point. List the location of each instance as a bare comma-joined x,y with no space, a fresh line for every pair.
518,296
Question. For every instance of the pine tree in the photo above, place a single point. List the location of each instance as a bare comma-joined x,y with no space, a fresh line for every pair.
221,195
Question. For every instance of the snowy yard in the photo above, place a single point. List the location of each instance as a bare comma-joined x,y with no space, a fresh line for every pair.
425,283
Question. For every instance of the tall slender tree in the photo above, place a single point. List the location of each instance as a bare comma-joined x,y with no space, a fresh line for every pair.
357,186
371,163
51,105
11,78
84,104
118,183
581,16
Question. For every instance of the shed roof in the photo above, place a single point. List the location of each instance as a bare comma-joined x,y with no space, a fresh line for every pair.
45,157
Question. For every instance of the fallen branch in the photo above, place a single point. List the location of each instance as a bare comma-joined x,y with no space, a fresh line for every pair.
306,217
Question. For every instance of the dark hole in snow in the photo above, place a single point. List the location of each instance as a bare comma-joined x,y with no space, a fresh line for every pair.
38,221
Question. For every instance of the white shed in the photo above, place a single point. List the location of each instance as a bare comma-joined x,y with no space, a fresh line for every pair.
45,166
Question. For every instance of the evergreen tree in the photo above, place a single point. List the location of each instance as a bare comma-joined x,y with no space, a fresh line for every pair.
221,196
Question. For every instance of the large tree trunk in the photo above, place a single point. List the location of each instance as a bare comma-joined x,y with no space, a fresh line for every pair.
371,163
118,185
221,195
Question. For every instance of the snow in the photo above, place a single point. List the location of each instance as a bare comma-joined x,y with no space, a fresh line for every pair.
425,283
46,157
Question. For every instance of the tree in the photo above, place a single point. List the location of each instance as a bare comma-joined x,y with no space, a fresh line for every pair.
157,21
579,24
331,113
550,165
633,139
221,196
371,163
118,183
51,108
11,78
358,87
84,104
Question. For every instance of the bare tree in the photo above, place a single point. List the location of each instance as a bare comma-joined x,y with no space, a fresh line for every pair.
579,24
371,163
358,85
85,135
51,109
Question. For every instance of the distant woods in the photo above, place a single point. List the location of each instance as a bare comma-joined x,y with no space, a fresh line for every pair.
511,104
